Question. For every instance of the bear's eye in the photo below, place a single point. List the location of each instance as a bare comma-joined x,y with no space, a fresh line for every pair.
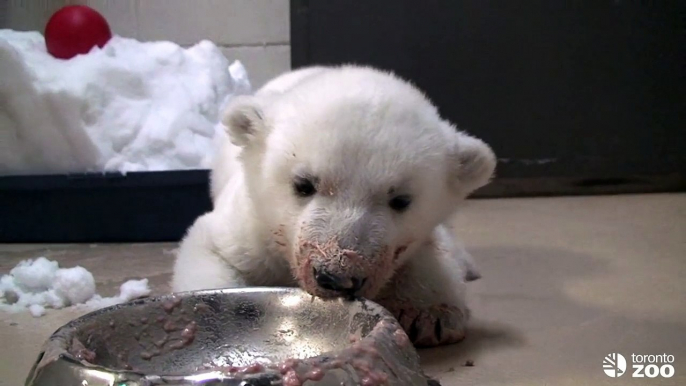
400,203
304,187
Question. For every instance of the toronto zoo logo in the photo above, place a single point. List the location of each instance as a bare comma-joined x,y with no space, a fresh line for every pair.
614,365
644,366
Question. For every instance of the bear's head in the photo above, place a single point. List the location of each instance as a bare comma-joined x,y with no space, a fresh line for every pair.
351,172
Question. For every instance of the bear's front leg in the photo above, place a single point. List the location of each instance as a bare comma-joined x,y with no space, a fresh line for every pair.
198,264
427,295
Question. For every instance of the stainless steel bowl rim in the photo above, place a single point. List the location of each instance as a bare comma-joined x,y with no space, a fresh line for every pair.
56,347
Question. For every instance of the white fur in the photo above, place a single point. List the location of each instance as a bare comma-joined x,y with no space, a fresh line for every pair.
359,132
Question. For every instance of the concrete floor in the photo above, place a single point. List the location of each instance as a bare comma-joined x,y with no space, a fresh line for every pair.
566,282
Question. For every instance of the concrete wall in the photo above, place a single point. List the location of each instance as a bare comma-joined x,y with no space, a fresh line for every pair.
256,32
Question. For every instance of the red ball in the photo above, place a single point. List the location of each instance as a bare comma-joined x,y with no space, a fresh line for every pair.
74,30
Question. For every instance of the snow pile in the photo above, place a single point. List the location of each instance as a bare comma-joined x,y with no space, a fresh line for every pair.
132,289
39,284
130,106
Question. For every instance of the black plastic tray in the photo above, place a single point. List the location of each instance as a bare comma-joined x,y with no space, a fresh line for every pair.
86,208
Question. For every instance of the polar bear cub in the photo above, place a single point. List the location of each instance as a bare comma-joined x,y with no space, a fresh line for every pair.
342,180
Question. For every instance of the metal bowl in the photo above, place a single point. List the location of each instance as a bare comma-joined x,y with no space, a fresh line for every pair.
248,336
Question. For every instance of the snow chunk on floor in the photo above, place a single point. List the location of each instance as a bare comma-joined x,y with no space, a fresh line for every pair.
39,284
75,285
132,289
129,106
35,275
37,310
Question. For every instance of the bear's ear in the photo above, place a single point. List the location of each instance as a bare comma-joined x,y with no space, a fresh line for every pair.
472,163
244,121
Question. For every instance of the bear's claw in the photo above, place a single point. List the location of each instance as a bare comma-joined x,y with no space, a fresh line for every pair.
433,326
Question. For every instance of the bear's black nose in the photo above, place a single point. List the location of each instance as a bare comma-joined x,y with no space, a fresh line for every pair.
337,283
